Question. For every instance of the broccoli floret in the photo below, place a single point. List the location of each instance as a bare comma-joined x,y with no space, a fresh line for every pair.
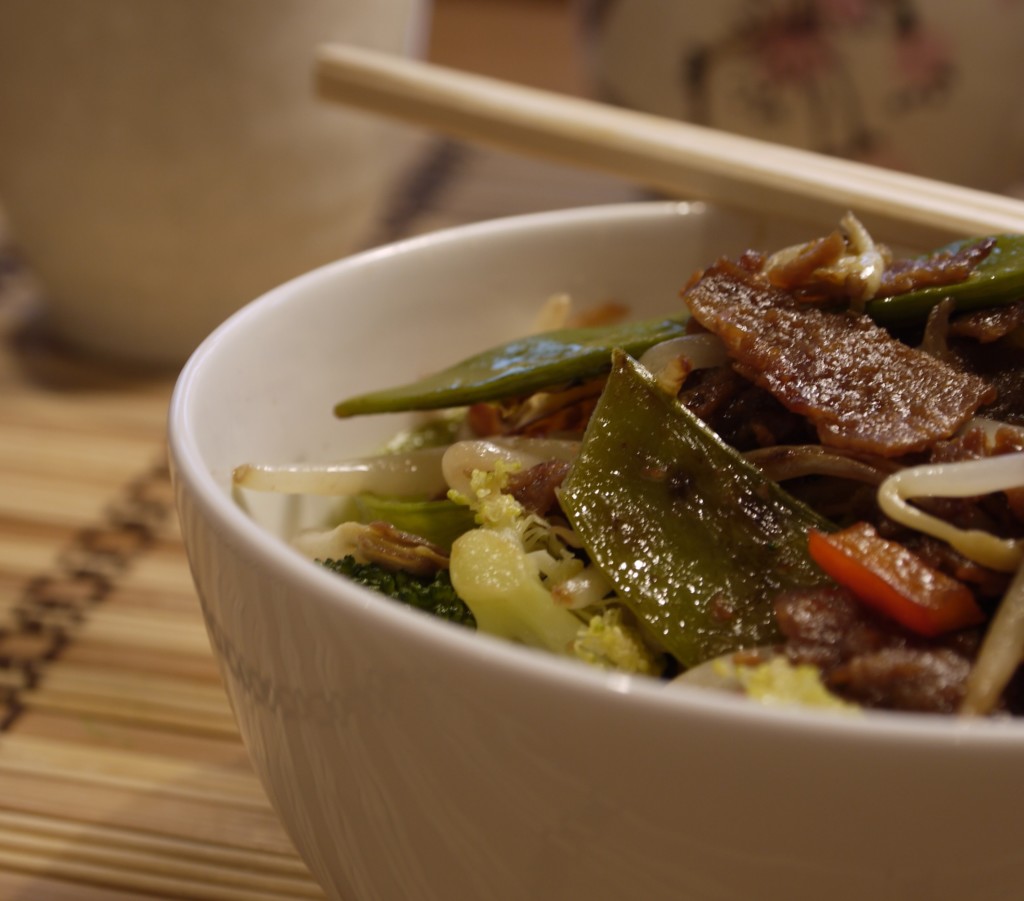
610,640
502,585
434,594
510,571
504,569
779,682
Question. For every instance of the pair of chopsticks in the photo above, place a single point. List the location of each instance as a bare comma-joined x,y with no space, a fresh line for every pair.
681,159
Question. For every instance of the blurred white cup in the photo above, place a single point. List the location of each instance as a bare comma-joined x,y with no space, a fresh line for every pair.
930,87
164,161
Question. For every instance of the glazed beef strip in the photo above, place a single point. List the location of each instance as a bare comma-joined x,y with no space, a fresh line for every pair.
939,269
869,660
536,488
982,342
861,388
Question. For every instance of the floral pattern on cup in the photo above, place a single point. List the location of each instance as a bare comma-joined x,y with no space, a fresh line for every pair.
881,81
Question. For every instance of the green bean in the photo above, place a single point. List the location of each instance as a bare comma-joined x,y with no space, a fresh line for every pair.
519,368
996,280
568,356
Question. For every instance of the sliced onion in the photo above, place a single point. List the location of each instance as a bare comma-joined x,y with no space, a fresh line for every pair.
857,272
935,341
331,544
699,351
784,462
554,314
865,270
463,457
587,588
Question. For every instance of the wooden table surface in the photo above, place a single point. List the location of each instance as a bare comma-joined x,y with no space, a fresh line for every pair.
122,775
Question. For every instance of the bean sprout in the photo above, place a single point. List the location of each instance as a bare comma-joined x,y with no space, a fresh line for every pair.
413,474
967,478
1001,652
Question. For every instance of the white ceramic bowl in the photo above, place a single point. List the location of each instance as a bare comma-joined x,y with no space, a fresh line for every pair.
412,759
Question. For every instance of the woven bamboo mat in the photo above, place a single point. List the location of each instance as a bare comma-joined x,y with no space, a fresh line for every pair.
122,775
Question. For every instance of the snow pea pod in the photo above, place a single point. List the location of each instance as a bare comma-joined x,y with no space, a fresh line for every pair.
519,367
695,539
996,280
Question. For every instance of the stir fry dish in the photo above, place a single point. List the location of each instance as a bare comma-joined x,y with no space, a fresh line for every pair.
804,484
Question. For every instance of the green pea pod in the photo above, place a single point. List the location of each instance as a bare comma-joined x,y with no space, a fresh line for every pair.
695,539
998,279
519,368
438,521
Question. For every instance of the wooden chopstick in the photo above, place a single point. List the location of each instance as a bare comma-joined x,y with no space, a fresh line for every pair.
684,160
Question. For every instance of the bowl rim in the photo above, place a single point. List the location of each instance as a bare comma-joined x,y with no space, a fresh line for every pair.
923,731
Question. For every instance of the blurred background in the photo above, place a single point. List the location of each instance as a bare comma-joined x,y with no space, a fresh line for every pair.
164,161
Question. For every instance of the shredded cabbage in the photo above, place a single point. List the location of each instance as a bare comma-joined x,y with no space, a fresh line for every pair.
519,578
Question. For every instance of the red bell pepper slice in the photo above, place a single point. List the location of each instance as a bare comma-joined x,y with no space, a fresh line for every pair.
894,581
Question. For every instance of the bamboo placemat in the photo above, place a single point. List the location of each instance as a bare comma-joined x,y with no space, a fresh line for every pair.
122,775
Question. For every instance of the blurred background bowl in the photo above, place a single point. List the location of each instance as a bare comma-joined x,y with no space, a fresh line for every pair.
928,87
411,758
165,161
